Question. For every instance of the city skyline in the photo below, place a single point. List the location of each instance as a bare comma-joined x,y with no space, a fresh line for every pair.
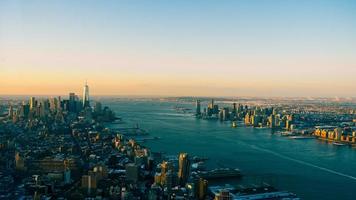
179,48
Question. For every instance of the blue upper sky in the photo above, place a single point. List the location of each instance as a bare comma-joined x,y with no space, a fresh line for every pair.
160,46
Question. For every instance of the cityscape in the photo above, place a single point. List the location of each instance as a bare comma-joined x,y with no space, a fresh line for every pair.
63,148
334,124
60,148
177,100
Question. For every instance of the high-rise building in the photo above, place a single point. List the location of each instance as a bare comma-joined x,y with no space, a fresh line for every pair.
33,103
198,111
66,173
98,108
272,121
234,110
165,177
59,103
88,183
132,172
11,112
211,104
86,96
53,104
67,176
224,114
19,162
184,168
72,102
71,96
202,189
212,108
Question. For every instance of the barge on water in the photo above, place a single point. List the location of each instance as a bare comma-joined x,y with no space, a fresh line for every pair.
220,173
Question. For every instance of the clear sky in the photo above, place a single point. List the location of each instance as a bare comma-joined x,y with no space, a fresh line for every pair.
182,47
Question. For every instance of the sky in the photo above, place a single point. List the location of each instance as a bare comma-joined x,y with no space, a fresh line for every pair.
179,48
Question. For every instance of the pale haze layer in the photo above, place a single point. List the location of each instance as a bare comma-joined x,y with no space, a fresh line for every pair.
200,48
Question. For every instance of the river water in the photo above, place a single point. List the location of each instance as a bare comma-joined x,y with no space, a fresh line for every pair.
310,168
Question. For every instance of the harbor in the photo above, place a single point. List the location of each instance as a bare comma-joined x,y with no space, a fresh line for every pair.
291,164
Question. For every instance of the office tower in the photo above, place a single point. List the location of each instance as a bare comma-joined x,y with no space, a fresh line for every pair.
98,108
287,125
33,103
11,112
202,189
212,103
66,173
169,180
221,115
86,96
99,172
224,114
184,168
166,168
198,110
272,121
72,102
165,177
216,109
53,104
153,193
234,106
132,172
234,110
71,96
253,120
212,108
59,103
43,108
88,183
338,132
126,194
67,176
247,119
25,110
274,112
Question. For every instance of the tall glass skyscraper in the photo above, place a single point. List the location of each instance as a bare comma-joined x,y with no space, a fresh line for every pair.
184,168
86,96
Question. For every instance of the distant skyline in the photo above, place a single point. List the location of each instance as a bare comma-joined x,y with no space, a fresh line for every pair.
179,48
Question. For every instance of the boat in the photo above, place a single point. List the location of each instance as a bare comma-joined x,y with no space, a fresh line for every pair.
338,144
220,173
199,159
285,133
299,137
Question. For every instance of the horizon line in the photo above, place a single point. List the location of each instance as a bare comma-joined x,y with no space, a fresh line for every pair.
180,96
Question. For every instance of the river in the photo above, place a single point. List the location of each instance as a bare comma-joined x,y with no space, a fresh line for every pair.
310,168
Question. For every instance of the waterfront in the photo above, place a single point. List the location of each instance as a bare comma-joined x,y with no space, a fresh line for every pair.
310,168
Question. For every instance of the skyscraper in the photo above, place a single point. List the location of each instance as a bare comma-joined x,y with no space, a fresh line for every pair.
72,102
86,96
184,168
132,172
11,112
202,187
33,103
198,111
